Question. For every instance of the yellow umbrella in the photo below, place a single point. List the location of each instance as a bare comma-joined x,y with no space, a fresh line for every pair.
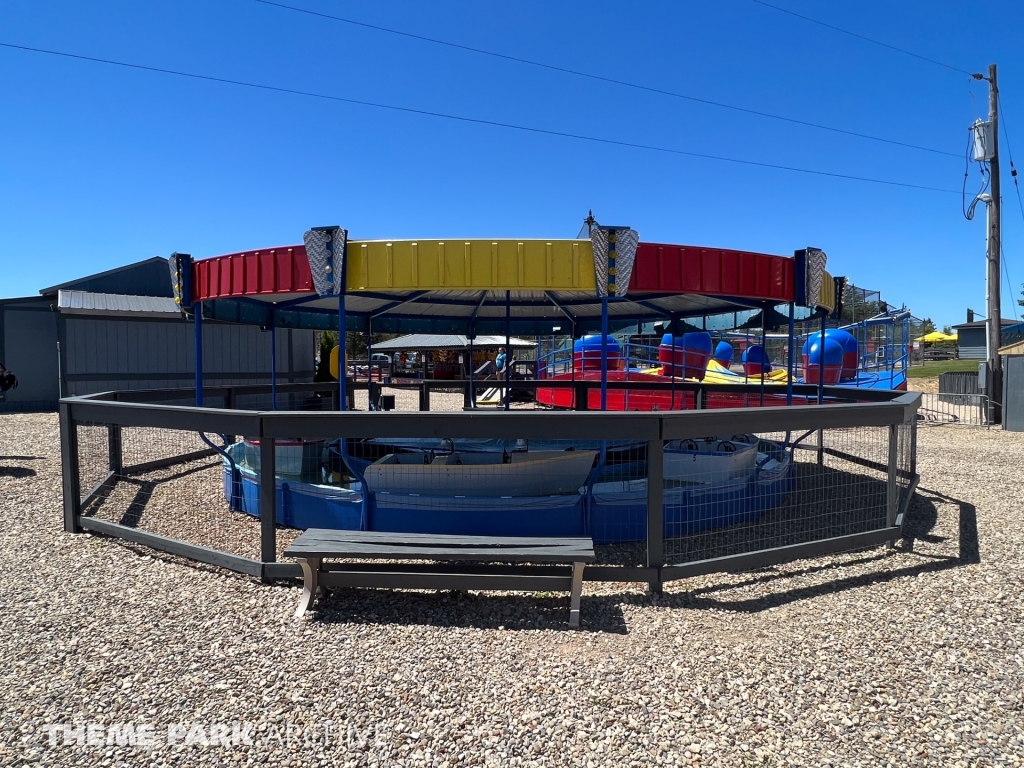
934,336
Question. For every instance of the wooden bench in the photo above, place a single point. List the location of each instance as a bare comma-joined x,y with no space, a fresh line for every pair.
478,556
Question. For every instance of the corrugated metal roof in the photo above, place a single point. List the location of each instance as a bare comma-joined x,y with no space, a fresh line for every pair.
151,275
87,303
982,323
417,341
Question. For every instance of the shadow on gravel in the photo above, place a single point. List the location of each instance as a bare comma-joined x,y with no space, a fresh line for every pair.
471,610
133,512
921,519
18,473
21,458
920,524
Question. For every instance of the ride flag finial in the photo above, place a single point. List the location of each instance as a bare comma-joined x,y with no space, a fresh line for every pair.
614,255
325,249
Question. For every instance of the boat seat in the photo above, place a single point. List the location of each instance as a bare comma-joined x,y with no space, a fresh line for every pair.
473,562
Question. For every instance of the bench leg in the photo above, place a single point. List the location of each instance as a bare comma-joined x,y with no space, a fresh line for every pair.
574,595
310,584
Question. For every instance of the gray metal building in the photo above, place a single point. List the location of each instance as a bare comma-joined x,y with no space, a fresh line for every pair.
1013,386
121,330
971,337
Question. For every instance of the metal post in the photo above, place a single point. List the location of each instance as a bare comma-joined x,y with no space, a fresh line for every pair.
764,348
604,347
268,500
508,346
471,394
913,446
198,344
114,452
69,469
369,366
572,372
581,394
893,495
672,386
273,362
342,371
611,290
655,511
821,389
821,362
789,355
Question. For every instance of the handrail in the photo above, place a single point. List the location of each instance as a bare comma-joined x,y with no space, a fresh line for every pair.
499,424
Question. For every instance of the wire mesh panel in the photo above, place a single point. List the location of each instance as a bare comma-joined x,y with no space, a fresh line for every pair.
963,409
323,399
729,495
174,484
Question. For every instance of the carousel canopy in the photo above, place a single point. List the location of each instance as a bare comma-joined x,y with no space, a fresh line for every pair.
537,287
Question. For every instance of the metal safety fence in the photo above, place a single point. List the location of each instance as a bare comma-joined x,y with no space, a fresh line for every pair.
664,495
969,410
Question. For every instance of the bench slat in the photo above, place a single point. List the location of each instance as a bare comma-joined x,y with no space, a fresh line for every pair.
495,554
319,542
331,534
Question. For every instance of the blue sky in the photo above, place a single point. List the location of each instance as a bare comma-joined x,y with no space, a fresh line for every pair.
102,165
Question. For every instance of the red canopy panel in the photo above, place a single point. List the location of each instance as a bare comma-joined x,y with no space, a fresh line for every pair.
249,273
686,269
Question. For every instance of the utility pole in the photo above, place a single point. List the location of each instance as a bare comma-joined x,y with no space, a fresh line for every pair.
995,377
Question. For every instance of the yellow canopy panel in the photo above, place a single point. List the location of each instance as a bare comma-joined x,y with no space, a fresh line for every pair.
827,296
505,265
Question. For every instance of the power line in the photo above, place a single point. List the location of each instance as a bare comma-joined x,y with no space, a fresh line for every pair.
473,120
863,37
1009,285
1009,151
1016,186
601,78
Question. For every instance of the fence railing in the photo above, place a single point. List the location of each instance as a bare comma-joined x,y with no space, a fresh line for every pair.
953,384
665,495
971,410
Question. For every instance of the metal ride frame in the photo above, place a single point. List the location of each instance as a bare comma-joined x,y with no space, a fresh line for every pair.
897,412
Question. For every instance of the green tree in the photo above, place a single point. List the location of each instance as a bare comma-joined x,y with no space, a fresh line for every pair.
857,306
328,341
927,326
355,343
1021,301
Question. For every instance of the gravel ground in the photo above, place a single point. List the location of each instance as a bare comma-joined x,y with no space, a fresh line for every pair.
902,657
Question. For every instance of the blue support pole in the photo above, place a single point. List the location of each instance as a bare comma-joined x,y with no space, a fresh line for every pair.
789,355
369,365
672,387
604,352
612,256
273,362
341,354
472,387
821,362
198,312
508,346
764,349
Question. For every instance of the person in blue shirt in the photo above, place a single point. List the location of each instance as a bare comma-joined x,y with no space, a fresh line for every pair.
499,361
